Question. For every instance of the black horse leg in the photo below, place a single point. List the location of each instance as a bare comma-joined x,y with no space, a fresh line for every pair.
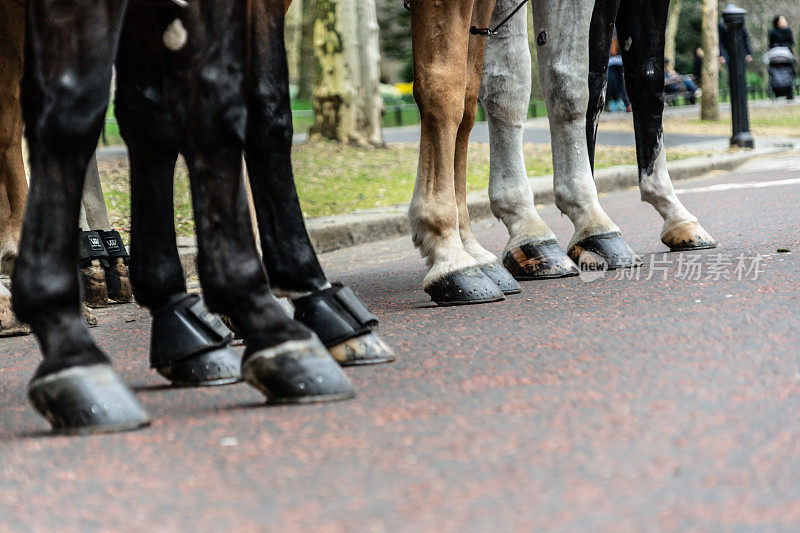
187,345
334,312
601,32
641,25
284,359
64,104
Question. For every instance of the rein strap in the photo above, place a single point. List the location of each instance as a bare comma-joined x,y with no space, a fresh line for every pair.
493,31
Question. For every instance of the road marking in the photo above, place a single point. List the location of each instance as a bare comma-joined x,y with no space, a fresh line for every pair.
741,185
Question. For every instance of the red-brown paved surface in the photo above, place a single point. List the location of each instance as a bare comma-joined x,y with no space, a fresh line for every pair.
612,405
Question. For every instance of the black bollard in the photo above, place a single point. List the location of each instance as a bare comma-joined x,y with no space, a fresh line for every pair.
734,21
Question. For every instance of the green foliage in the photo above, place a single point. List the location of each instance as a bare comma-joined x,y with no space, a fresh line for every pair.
689,36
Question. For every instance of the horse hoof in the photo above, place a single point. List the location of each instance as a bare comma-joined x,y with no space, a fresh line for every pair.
86,399
501,277
688,236
216,367
545,260
88,316
297,372
607,251
466,286
93,280
118,282
10,325
367,349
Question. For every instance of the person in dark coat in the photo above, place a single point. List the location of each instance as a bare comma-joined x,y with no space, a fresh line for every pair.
697,68
724,56
781,34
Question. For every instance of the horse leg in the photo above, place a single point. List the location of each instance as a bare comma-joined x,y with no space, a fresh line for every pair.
641,25
532,251
187,345
562,39
487,262
333,312
64,103
283,359
13,186
440,36
601,32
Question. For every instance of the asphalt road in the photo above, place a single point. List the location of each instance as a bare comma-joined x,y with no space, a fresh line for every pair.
539,133
625,405
535,132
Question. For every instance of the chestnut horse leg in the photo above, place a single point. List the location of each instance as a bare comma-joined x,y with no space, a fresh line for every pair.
488,263
532,251
335,314
440,34
13,185
64,102
562,37
641,24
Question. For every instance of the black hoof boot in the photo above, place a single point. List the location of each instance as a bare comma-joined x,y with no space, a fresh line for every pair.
606,251
297,372
544,260
466,286
502,278
189,345
86,399
344,325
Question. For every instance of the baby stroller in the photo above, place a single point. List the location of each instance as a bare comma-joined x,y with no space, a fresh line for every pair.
780,63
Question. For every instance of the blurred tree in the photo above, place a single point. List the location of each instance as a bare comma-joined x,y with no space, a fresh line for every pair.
347,102
709,103
672,29
395,38
292,34
306,69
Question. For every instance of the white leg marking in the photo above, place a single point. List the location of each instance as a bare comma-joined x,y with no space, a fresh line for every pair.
657,190
439,245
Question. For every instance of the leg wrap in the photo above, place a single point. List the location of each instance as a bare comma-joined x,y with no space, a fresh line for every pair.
335,314
118,278
93,261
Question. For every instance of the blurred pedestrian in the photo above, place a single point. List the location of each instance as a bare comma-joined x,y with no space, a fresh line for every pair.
676,83
724,55
616,95
781,34
697,68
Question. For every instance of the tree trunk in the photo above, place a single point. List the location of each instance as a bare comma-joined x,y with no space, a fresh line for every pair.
293,30
672,29
347,102
305,68
369,92
709,104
